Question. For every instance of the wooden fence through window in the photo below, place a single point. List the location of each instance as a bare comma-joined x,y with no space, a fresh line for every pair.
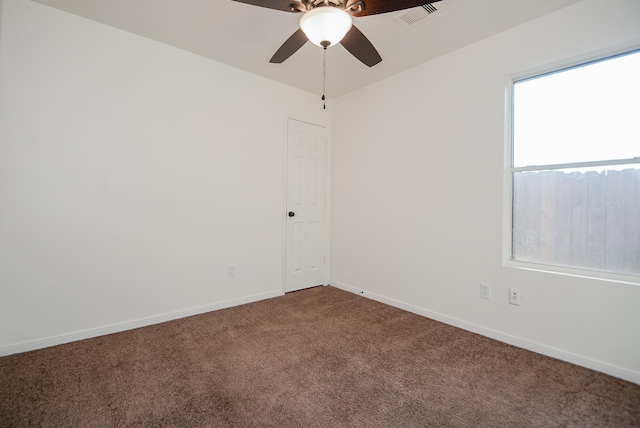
586,220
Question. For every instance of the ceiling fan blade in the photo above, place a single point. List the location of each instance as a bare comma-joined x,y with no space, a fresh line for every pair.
360,47
286,5
289,47
375,7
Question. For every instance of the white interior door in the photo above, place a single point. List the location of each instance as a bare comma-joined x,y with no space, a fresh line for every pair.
306,205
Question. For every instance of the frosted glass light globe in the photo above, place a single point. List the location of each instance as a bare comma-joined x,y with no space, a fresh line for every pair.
325,24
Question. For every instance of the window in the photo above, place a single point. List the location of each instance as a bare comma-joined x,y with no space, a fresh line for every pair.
575,170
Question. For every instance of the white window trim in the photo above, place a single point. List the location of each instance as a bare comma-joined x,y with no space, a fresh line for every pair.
507,216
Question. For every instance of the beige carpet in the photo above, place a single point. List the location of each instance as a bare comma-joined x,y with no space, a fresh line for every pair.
315,358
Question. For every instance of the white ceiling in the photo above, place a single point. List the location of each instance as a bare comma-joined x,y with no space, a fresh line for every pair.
246,36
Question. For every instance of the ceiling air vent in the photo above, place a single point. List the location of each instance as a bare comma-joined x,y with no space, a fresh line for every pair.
411,17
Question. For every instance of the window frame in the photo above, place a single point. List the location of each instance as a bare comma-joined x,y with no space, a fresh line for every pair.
510,170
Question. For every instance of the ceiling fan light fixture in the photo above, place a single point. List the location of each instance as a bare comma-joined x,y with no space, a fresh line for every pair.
325,24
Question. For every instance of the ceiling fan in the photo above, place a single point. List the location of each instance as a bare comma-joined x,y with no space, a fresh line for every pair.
329,22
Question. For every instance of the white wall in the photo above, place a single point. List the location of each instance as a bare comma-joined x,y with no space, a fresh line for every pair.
417,196
131,175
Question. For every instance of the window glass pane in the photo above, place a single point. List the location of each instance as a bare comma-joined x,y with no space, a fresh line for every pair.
581,114
581,218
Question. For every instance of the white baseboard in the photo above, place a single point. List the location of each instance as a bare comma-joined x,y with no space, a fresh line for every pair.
559,354
46,342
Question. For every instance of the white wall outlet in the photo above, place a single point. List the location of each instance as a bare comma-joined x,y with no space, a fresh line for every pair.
485,291
514,296
231,271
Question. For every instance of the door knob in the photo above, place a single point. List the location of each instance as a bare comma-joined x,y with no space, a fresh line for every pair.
291,213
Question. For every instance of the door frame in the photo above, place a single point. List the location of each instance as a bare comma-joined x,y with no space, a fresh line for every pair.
284,210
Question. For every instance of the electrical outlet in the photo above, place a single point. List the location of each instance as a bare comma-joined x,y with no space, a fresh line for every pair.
514,296
485,291
231,271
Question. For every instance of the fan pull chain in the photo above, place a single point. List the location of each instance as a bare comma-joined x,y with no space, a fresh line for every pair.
324,76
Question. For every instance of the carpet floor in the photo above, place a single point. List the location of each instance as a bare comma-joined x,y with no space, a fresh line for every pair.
320,357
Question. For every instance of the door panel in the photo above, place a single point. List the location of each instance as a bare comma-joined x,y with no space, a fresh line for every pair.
306,199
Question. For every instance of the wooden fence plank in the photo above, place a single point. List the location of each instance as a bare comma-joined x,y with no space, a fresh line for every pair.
596,254
548,216
631,244
563,220
579,222
615,221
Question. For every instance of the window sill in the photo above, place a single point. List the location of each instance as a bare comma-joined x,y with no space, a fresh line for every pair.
573,272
